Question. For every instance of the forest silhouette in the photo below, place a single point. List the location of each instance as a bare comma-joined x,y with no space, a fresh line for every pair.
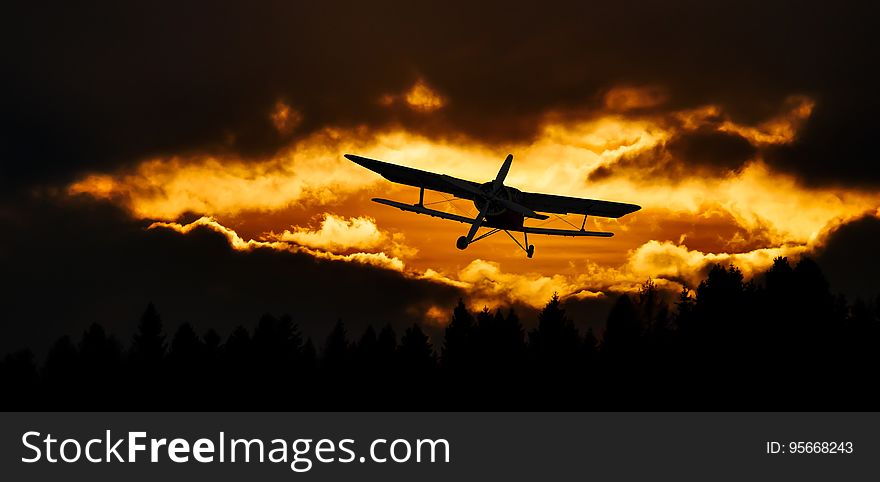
779,342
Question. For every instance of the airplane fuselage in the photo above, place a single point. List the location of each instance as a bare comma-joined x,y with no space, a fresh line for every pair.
498,216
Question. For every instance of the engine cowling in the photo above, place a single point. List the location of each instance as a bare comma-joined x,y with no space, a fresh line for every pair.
498,215
495,208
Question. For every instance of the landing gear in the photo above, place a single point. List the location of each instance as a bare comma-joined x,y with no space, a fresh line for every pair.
463,242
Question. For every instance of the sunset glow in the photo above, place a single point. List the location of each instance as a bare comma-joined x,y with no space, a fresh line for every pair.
746,215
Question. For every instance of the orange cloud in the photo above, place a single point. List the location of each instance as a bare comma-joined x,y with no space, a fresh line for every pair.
772,214
437,315
285,118
310,172
337,233
671,265
422,98
379,259
490,286
626,98
313,173
675,261
780,129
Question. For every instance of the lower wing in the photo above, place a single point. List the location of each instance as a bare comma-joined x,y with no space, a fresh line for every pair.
415,208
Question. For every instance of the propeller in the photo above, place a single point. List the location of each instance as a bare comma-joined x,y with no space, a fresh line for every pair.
505,168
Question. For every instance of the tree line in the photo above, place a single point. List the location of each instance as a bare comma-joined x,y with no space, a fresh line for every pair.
780,342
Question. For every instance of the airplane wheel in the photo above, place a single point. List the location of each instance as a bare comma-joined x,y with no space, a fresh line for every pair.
531,251
462,242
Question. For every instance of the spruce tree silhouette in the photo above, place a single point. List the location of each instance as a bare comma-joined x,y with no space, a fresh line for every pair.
555,342
657,348
656,322
418,366
590,352
147,356
780,341
101,368
365,362
238,363
621,343
210,365
685,317
623,332
307,381
309,356
781,319
337,350
779,280
18,373
499,345
212,344
386,353
857,349
457,352
721,306
387,342
416,350
186,360
148,345
365,351
483,344
512,344
336,377
276,348
61,372
500,357
815,313
554,351
238,346
775,313
278,341
620,353
187,349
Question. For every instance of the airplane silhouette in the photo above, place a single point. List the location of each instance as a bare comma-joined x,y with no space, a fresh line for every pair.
501,208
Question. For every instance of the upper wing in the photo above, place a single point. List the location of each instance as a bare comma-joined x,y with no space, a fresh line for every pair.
415,177
548,203
551,203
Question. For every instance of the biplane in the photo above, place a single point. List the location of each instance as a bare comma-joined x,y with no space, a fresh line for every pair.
501,208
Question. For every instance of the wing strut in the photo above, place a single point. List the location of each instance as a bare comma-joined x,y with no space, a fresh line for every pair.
528,248
525,246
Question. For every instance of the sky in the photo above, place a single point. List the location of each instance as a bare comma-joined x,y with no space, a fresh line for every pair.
192,154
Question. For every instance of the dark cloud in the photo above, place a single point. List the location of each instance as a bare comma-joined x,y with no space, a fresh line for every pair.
838,143
849,258
98,85
711,148
68,265
686,154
